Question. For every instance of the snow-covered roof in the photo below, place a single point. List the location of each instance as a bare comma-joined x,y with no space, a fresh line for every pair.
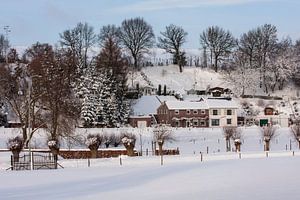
186,105
205,104
147,105
221,103
166,98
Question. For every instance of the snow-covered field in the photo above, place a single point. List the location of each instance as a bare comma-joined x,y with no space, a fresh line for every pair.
221,175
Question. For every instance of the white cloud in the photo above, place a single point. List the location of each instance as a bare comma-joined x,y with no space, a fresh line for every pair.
150,5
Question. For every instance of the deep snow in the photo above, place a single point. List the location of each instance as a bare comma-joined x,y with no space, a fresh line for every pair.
221,175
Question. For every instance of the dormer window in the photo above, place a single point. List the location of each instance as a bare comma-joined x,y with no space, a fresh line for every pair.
176,112
188,112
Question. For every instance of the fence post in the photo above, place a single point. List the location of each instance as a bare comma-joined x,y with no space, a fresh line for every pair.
293,153
31,161
120,160
161,160
286,147
201,156
207,148
290,144
12,162
240,155
89,163
147,152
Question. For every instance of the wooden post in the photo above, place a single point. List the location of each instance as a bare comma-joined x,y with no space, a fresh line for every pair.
12,162
286,147
240,155
31,161
290,144
89,163
267,154
161,160
201,156
293,153
120,160
147,152
207,148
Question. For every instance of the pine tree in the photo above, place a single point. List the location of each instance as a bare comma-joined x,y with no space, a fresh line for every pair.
112,65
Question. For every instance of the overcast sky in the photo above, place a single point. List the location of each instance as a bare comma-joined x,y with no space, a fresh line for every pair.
43,20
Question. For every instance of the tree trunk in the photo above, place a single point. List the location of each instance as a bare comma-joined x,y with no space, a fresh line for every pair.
160,149
180,67
216,63
135,62
130,151
93,153
267,147
237,147
228,145
16,155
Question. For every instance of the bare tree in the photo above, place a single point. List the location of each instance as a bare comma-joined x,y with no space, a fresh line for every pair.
107,140
218,41
247,45
162,134
115,140
128,140
51,81
228,132
268,133
78,41
4,45
93,142
236,137
109,33
172,40
266,37
16,92
296,132
137,36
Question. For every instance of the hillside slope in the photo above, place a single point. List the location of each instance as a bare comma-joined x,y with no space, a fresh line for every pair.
191,77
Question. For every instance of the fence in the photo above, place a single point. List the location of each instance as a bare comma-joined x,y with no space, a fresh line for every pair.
34,161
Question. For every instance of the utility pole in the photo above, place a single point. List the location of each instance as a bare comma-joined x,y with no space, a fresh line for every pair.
7,31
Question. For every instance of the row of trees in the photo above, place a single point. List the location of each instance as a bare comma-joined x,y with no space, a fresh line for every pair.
268,134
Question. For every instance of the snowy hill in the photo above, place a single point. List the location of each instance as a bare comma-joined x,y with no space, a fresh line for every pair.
190,78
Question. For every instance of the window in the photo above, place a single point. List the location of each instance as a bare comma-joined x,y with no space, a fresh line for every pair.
229,121
202,111
195,112
195,122
202,123
177,124
188,112
215,122
229,112
215,112
176,112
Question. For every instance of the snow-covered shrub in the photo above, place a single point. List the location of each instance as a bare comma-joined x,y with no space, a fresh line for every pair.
54,146
268,133
15,145
237,139
93,142
161,134
107,140
128,140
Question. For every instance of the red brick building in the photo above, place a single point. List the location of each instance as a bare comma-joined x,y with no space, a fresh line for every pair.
184,114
